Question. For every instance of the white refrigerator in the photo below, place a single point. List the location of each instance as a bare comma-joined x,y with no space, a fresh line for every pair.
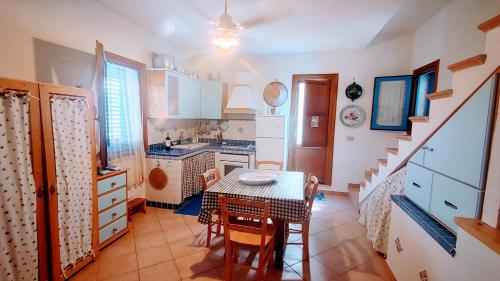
270,138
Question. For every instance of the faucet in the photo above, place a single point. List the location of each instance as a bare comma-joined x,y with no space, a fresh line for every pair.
181,137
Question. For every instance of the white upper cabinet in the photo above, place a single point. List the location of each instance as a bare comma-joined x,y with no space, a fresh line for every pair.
459,148
213,94
175,95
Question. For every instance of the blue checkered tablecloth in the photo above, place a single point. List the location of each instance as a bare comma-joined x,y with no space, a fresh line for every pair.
286,195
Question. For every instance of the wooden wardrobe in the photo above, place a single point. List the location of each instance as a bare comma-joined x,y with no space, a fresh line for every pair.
44,172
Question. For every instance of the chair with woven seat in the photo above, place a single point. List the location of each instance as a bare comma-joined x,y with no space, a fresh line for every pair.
311,189
256,233
208,179
269,165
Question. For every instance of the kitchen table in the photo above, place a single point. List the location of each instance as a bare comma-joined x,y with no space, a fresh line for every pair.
286,196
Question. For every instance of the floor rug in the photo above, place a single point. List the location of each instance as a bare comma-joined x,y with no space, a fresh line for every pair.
191,207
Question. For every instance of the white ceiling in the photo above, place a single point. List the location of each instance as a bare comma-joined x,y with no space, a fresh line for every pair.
279,26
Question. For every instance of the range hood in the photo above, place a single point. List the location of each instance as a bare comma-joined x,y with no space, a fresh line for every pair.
240,101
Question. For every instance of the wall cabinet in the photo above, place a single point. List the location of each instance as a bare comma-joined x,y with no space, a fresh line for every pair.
213,98
446,176
175,95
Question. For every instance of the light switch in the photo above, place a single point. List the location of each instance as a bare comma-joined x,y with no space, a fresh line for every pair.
349,138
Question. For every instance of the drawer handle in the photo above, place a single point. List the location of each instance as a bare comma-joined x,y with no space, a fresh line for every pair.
115,230
450,205
428,148
113,215
416,185
113,184
113,200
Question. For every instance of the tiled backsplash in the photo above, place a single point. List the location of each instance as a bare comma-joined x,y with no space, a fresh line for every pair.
159,128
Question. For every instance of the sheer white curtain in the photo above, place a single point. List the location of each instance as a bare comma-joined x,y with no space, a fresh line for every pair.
124,120
18,233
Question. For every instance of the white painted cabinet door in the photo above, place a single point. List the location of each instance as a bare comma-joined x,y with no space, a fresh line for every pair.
270,126
459,148
211,100
270,149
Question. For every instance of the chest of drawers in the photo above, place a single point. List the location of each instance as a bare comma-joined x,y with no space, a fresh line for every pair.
112,206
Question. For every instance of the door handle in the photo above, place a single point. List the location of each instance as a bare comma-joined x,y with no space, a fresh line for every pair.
450,205
416,185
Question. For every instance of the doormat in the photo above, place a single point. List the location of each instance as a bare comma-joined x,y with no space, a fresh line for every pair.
320,197
191,207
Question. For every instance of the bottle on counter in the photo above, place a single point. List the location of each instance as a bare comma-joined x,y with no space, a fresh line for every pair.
168,142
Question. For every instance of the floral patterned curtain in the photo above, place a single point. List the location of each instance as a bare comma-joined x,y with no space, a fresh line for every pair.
376,209
74,178
18,231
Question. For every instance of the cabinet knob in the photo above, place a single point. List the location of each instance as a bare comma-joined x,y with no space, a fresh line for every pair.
113,215
113,200
52,189
115,230
39,192
113,184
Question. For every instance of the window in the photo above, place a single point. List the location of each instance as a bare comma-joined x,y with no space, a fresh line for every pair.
122,107
122,134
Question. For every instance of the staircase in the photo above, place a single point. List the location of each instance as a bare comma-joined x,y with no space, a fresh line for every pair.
468,76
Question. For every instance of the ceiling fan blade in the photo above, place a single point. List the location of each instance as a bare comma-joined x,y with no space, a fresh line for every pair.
192,5
266,19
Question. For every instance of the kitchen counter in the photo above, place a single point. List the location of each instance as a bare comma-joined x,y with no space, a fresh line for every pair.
158,152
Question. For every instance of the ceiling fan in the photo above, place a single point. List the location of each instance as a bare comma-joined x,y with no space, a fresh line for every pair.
226,32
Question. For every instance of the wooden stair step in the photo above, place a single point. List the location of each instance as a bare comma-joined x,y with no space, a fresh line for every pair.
383,161
392,150
419,119
467,63
440,94
368,175
404,137
489,24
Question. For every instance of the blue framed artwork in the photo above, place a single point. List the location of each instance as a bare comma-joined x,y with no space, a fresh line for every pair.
391,103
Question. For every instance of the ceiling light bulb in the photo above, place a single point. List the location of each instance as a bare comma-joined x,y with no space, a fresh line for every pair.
225,41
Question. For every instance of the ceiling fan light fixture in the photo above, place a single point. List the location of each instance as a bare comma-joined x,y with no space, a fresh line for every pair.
226,32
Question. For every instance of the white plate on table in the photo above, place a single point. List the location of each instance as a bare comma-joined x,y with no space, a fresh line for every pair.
257,178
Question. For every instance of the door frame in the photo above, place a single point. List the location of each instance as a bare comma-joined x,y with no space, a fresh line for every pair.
296,79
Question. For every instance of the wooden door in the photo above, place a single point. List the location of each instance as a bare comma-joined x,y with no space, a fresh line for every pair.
37,163
46,92
315,111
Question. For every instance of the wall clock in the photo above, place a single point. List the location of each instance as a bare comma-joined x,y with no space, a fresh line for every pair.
353,91
352,116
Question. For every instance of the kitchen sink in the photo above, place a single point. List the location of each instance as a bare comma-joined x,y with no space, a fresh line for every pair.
191,145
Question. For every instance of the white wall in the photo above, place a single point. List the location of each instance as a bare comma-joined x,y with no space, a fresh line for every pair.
76,24
452,35
350,158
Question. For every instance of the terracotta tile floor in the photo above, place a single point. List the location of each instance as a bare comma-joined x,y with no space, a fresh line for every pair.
164,246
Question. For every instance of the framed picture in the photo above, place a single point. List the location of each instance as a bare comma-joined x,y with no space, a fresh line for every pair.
391,103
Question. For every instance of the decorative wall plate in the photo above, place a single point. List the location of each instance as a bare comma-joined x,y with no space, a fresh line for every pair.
352,116
353,91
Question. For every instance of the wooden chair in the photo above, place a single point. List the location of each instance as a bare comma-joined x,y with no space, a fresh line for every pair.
274,165
310,193
208,179
256,233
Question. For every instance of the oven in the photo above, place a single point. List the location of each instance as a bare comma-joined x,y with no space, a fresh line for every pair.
227,162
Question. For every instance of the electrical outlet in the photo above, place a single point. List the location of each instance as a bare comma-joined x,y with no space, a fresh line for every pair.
349,138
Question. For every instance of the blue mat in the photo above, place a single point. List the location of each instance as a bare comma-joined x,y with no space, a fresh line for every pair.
191,207
320,197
